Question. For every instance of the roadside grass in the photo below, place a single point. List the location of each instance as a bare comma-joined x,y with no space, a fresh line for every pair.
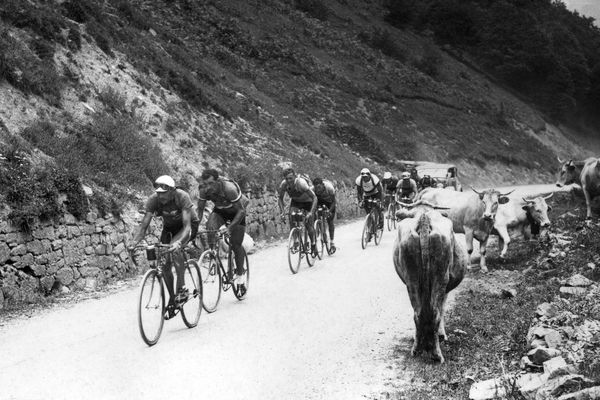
487,331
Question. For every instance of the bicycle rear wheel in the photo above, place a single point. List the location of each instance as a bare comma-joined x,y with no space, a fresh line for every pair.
240,287
192,308
151,307
366,233
294,250
211,281
378,233
319,238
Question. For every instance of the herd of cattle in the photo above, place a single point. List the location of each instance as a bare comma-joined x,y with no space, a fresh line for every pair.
431,261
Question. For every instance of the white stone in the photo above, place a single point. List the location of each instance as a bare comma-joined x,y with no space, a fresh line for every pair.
578,280
528,384
490,389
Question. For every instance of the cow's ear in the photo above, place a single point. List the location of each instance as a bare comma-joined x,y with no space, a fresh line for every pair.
444,213
480,196
503,200
571,167
549,208
524,207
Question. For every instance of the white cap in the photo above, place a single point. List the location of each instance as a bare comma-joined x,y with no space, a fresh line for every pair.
406,174
365,171
162,181
387,175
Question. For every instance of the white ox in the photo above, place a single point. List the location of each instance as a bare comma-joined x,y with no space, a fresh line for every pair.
585,173
471,213
430,262
525,218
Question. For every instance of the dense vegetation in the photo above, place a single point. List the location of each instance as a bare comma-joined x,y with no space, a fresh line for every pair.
540,48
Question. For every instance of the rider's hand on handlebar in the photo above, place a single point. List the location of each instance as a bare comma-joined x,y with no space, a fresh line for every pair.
175,245
283,217
361,203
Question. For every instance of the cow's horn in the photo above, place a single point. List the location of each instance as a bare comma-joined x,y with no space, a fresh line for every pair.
474,190
550,195
559,160
527,201
506,194
407,205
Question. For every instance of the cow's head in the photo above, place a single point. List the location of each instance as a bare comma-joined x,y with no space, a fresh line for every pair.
537,210
567,173
490,199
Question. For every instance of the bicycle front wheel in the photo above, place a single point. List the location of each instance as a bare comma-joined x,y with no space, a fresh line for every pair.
391,218
192,308
211,281
310,260
319,239
366,233
151,307
240,286
377,233
294,250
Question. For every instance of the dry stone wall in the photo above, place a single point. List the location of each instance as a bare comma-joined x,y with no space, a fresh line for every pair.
88,254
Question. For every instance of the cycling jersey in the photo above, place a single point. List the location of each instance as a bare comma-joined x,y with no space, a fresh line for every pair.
171,212
407,186
390,185
369,187
298,192
225,193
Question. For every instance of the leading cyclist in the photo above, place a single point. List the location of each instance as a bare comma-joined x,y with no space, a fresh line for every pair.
303,198
229,206
180,225
325,192
368,186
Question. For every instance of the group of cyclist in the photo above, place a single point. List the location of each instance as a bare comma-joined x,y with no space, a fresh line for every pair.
181,221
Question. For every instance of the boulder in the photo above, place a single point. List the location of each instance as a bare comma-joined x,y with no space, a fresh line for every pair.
556,366
546,310
592,393
4,253
578,280
490,389
541,354
573,291
562,384
553,339
528,384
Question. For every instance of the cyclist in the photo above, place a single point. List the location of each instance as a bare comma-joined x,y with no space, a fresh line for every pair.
407,188
325,192
229,207
390,184
369,186
302,197
180,225
427,181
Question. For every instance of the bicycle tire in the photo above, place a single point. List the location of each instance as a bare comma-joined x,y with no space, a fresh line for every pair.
212,281
294,249
192,308
366,232
310,260
151,307
378,232
391,218
238,291
325,236
319,238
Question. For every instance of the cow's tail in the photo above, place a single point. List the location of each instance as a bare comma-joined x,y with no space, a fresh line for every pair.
424,230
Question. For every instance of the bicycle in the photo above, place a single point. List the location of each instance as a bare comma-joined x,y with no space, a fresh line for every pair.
152,312
298,242
217,279
321,232
371,227
391,211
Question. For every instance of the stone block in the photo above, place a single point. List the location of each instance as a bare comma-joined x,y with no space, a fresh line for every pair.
36,247
553,339
89,250
91,217
76,274
69,219
46,283
4,252
72,255
89,271
573,291
53,267
38,269
24,261
557,366
489,389
528,384
61,231
91,284
46,232
80,283
578,280
541,354
119,248
57,244
19,250
73,231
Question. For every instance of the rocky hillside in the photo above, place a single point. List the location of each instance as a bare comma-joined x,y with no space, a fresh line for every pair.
115,92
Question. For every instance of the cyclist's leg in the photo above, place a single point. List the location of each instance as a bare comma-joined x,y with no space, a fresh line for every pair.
165,238
236,239
178,258
330,219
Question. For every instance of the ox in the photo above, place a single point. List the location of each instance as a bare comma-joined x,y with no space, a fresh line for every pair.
585,173
430,262
525,218
471,214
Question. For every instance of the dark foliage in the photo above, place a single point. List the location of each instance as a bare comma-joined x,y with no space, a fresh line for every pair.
540,48
356,139
315,8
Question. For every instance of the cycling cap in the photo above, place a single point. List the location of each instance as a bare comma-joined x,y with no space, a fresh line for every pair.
387,175
406,174
164,183
365,171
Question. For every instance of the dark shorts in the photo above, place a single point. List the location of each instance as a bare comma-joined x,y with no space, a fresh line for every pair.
327,204
169,232
228,214
302,205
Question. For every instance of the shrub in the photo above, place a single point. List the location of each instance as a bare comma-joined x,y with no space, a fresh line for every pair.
430,62
356,139
82,11
112,99
381,39
43,20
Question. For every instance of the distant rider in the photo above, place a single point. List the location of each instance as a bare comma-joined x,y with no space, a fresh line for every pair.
229,206
325,192
180,225
427,181
407,188
302,198
368,186
389,184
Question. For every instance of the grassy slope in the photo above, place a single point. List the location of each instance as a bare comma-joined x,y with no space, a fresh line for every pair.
319,93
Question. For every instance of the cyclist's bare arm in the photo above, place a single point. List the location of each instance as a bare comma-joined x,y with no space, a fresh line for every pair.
315,201
381,193
333,204
142,228
200,208
280,200
359,193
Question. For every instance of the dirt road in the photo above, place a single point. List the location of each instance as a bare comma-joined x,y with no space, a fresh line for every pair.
321,334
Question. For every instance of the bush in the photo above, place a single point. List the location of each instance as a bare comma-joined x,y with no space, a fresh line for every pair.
430,62
314,8
112,99
43,20
356,139
381,39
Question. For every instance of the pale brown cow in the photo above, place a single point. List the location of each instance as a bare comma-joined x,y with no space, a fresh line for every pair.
430,262
585,173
